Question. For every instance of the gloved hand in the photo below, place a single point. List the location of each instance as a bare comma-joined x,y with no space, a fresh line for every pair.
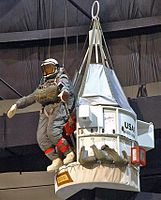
12,111
64,96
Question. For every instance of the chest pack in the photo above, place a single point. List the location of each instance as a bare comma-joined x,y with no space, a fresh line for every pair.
47,93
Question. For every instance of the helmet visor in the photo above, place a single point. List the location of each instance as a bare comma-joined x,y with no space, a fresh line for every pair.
48,69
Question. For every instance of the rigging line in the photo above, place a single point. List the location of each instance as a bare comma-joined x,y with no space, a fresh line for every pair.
65,41
77,36
106,48
76,57
89,56
80,9
81,64
78,62
50,20
9,86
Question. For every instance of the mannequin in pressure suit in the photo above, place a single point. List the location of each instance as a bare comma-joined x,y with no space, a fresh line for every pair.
55,94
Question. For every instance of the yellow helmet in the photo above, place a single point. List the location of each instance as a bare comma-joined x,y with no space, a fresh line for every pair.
49,67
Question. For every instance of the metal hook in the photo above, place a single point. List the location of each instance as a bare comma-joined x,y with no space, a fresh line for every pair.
95,3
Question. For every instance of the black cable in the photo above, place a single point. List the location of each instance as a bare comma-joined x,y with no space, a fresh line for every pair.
80,9
3,81
26,187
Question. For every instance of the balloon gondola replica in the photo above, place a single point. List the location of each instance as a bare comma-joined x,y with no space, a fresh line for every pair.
111,142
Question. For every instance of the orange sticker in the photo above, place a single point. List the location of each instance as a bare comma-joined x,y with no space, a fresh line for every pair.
63,178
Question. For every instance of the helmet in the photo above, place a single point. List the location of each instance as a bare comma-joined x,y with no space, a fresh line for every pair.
50,67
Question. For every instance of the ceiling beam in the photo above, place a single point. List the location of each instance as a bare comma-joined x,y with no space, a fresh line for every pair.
111,27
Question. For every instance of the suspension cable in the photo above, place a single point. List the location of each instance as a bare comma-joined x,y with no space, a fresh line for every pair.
50,20
65,41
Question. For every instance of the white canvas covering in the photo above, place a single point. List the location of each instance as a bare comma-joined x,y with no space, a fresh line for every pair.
100,176
102,87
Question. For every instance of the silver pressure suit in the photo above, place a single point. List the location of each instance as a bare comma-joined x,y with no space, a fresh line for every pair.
53,113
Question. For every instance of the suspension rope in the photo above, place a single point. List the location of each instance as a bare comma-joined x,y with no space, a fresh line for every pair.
81,62
77,36
50,20
65,41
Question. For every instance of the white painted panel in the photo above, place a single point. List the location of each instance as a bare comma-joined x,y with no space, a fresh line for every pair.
145,134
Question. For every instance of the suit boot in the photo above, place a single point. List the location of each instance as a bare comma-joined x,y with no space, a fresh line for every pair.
70,157
56,163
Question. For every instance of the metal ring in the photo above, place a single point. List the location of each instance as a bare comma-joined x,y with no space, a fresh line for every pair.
98,9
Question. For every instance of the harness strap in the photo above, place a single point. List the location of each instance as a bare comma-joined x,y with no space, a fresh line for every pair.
63,146
49,150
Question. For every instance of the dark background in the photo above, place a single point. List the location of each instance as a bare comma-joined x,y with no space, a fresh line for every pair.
31,31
